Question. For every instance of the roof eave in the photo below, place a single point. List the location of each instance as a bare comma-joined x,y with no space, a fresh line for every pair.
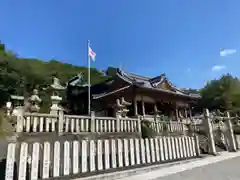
124,76
169,92
98,96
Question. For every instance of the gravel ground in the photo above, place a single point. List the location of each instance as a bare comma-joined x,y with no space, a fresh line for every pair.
224,170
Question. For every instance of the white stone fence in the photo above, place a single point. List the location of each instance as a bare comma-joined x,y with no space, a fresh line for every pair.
39,122
80,158
168,126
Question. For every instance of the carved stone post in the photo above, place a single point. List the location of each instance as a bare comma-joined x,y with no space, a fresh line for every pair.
176,112
143,108
60,121
118,122
156,119
209,132
93,122
230,134
19,123
139,126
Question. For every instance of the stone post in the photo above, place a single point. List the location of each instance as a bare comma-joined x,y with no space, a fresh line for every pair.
60,121
19,128
197,145
209,132
118,122
230,134
139,126
183,128
93,122
156,127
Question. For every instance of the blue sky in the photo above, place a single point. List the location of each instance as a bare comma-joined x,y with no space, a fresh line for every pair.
147,37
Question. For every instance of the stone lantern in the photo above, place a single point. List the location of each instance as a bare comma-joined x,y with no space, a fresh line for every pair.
9,107
55,90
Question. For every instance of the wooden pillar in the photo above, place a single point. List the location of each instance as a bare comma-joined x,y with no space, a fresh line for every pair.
171,115
190,112
155,108
143,107
176,113
185,112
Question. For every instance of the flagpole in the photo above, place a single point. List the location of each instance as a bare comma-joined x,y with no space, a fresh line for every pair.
89,82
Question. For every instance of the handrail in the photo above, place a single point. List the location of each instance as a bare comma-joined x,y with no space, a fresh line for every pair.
77,117
40,115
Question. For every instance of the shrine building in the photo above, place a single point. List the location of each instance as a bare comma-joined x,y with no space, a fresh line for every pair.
147,96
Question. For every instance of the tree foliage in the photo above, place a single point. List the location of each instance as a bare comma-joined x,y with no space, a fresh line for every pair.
20,75
222,93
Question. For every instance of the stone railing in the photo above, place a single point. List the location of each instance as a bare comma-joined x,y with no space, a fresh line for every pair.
35,122
70,159
76,124
168,126
38,122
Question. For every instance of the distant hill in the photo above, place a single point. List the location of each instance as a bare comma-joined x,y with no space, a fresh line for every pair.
21,75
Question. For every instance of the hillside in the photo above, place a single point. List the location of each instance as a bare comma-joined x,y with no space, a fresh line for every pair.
20,75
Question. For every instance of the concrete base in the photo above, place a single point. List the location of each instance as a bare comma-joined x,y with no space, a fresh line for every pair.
132,172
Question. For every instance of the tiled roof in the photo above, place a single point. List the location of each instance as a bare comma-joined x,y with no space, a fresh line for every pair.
101,90
145,82
151,83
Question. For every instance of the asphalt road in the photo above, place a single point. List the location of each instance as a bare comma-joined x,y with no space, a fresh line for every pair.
223,170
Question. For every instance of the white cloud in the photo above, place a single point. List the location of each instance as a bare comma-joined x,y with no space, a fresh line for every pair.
227,52
218,67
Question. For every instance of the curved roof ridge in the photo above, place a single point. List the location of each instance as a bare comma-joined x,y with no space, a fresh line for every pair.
129,77
175,87
138,76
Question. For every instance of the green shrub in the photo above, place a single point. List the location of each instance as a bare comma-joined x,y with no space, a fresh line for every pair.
165,125
236,129
147,130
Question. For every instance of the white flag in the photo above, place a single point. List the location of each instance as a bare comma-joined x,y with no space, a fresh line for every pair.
91,53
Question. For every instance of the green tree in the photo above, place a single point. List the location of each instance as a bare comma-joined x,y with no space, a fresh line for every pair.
20,75
223,94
